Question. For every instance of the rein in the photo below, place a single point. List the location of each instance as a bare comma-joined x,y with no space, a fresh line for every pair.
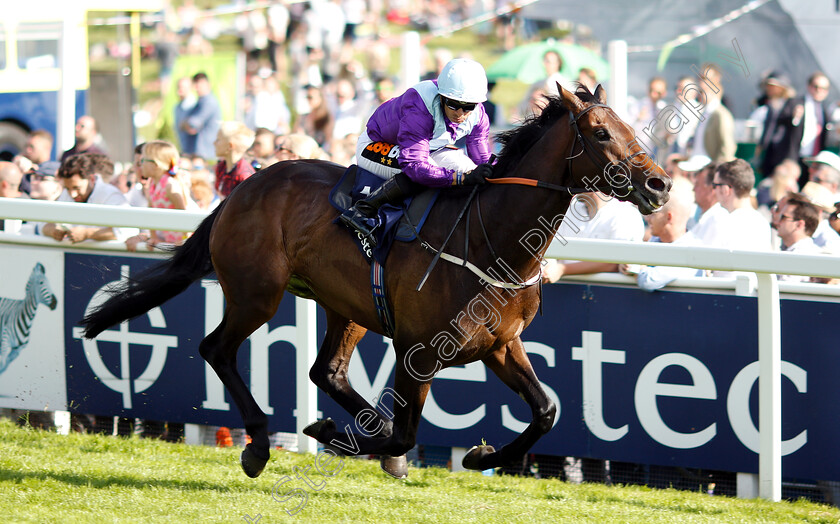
537,183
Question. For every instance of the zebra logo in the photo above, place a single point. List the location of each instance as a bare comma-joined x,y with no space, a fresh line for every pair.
16,315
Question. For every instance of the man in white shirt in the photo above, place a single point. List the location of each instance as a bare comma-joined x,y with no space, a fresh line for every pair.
667,225
82,183
595,215
796,224
709,221
747,228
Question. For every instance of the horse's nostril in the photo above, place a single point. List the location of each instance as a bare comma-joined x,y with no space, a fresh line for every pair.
656,184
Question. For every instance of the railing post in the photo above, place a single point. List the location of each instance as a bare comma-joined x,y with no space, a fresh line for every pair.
769,388
307,393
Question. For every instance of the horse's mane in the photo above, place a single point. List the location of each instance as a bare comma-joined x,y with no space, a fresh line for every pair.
517,141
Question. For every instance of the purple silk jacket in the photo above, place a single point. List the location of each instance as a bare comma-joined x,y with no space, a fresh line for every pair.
408,122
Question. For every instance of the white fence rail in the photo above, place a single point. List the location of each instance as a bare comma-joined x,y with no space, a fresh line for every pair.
764,265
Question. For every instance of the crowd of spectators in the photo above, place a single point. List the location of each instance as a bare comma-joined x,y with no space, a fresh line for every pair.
785,198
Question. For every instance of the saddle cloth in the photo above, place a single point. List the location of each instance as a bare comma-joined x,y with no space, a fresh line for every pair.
395,221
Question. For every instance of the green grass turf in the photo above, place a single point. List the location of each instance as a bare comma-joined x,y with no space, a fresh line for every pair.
45,477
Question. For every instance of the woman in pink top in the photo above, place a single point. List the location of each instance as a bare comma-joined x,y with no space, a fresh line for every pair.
159,162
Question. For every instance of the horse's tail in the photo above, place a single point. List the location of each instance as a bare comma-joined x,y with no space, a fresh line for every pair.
156,285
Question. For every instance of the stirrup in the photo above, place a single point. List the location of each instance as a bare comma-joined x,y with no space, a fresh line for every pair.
357,222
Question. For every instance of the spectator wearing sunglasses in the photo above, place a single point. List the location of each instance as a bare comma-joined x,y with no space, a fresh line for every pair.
796,224
745,227
436,134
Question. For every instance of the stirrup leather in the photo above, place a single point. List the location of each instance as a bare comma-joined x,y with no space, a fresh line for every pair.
361,223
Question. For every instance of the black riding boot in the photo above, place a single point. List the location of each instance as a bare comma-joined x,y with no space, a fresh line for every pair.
362,215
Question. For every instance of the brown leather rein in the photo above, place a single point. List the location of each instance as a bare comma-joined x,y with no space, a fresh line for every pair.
536,183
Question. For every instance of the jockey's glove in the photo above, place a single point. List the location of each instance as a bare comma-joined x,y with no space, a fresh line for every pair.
478,176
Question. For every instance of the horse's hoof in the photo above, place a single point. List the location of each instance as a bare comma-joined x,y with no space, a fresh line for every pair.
475,455
252,463
314,430
397,467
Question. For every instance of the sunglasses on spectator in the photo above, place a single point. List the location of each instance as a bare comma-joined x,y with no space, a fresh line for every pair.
718,184
456,105
834,216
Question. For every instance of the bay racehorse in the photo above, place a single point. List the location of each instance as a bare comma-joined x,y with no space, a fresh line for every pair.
277,232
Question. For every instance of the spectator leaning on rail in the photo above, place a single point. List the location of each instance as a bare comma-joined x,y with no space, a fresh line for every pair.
598,216
419,131
82,183
668,225
166,190
44,186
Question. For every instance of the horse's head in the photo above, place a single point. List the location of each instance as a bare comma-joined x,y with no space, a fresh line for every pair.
606,156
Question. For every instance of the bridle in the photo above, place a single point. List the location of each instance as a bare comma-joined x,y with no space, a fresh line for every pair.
594,153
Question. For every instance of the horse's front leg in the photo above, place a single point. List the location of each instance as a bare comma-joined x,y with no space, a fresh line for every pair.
511,364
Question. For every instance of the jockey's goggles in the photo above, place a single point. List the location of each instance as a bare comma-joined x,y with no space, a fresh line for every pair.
456,105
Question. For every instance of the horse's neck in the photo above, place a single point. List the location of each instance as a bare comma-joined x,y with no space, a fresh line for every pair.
530,215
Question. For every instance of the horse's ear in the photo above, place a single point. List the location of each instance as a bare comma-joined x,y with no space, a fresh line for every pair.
570,100
601,94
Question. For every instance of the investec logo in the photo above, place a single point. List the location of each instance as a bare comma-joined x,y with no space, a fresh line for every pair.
260,340
160,345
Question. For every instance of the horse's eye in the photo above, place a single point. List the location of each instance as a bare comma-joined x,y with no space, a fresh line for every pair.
602,134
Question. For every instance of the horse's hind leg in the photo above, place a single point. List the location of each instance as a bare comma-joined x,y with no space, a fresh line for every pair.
329,372
409,397
219,349
511,364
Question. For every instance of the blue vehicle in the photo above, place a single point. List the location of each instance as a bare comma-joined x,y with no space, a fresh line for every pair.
34,41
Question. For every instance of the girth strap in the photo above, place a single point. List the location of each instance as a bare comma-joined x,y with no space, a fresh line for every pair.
380,299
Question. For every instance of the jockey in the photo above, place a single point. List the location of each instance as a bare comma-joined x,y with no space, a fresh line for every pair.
417,140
